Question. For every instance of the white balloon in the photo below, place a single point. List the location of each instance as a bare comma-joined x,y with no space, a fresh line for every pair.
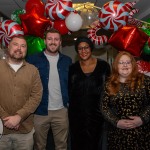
73,21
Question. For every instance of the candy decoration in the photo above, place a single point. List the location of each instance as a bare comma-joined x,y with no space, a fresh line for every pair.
132,12
143,66
130,5
97,40
133,21
8,29
113,15
58,9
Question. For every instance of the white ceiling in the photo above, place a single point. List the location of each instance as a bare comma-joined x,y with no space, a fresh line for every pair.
8,6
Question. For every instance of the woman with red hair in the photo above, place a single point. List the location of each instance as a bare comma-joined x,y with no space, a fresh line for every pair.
126,105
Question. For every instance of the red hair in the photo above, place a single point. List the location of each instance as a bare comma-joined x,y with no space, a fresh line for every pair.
134,80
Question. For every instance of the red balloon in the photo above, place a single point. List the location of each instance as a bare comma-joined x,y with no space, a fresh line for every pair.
129,38
97,40
33,24
61,26
143,66
9,29
113,15
38,4
58,9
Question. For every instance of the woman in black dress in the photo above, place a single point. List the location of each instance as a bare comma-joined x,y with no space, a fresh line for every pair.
86,80
126,106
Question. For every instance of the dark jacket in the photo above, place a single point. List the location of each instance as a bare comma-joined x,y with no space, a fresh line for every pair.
41,62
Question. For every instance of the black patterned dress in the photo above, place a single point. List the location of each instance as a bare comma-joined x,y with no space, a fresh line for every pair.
124,104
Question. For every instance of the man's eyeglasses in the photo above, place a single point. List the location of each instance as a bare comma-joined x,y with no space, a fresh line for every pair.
83,48
124,63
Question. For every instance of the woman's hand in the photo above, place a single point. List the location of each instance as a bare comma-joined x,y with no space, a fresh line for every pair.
132,122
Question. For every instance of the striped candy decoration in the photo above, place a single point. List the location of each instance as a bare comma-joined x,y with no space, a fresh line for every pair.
8,29
113,15
58,9
97,40
130,5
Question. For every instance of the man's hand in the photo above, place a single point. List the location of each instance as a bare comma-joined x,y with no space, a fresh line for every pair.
12,122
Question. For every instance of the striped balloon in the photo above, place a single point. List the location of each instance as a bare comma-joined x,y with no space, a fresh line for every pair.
97,40
113,15
8,29
130,5
133,21
58,9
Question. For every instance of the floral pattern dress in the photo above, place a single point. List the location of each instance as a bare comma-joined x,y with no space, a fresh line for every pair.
126,103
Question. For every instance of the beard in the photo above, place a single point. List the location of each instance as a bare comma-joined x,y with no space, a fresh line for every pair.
54,49
16,56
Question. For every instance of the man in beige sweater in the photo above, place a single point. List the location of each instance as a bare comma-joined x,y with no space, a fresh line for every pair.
20,95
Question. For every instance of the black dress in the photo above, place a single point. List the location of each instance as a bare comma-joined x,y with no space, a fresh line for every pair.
85,118
124,104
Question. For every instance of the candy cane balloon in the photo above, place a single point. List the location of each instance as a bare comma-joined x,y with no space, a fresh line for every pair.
132,20
130,5
113,15
97,40
132,12
58,9
8,29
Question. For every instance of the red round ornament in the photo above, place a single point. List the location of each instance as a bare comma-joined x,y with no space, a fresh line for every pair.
61,26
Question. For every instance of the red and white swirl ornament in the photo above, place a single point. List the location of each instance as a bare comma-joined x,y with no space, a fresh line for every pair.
58,9
97,40
113,15
8,29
